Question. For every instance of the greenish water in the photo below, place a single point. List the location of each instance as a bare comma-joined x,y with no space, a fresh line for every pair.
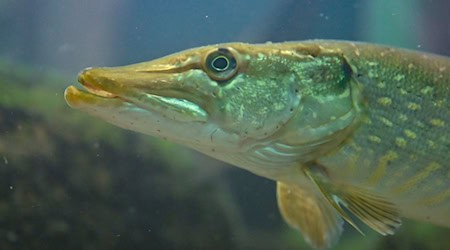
69,181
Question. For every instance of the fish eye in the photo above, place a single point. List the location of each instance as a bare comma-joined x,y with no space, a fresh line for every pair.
221,65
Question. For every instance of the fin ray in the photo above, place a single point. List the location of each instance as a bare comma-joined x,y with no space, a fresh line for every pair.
374,210
334,201
367,208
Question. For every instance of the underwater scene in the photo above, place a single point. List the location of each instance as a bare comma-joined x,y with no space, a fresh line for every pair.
109,140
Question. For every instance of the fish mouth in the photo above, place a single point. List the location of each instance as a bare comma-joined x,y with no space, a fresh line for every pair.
89,94
92,88
100,90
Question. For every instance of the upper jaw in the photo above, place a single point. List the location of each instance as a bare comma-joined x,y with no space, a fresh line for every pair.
152,91
92,86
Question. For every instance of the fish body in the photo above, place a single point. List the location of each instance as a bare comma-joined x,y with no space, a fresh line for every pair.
335,123
402,147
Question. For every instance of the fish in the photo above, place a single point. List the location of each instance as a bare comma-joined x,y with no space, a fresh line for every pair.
348,130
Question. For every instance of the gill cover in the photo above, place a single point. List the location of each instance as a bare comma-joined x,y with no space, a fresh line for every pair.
257,93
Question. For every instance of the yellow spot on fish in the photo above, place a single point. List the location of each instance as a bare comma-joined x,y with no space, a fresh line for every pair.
426,90
439,103
437,122
385,101
374,138
410,134
418,178
399,77
413,106
401,142
386,121
431,144
403,117
381,85
420,124
380,169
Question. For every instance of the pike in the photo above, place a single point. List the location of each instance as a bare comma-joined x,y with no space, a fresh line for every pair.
342,127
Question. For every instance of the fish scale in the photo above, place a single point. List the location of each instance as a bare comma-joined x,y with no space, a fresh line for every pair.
407,138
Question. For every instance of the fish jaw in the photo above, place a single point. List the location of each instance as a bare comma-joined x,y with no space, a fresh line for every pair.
146,98
146,88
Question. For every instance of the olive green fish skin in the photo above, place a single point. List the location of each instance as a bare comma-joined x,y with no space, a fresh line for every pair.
403,146
372,116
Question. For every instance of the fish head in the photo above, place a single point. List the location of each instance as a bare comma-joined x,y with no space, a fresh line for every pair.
267,103
222,96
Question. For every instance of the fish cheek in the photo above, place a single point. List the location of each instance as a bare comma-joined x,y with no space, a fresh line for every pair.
257,107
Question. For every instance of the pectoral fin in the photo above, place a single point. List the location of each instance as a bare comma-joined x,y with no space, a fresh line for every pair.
308,212
373,209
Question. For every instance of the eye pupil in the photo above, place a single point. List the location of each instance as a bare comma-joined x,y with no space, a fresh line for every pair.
220,63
